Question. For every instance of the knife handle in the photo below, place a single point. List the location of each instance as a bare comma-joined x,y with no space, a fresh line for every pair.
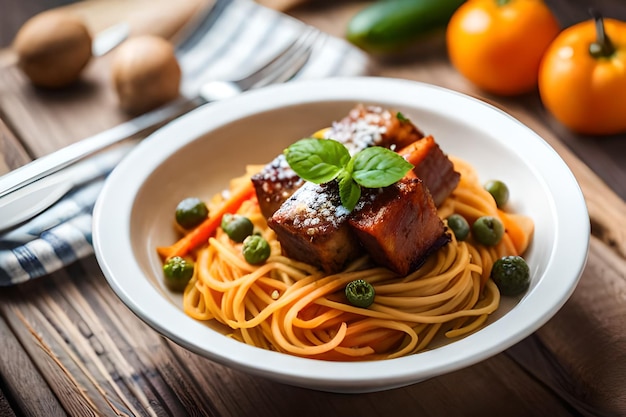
64,157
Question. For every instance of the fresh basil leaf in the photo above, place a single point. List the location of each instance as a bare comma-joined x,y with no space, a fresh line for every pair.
323,160
317,160
349,191
402,117
379,167
348,168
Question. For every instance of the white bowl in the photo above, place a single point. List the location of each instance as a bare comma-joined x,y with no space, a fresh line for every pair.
197,154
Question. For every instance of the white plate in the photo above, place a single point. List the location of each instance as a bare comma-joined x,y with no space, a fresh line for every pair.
196,155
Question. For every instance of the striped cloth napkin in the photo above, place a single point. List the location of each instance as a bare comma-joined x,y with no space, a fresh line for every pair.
237,36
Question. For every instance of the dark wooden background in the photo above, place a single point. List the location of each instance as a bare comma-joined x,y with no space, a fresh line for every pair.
68,346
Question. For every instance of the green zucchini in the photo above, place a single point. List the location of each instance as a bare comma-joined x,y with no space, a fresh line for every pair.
393,25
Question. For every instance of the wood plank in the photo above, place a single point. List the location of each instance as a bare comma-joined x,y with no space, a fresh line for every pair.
587,337
5,407
21,379
569,12
49,120
511,392
12,154
542,363
47,347
145,16
16,12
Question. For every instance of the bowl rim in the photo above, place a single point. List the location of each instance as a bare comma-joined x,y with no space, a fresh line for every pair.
113,208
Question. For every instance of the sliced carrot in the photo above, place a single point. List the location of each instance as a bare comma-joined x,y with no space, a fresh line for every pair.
519,228
418,150
200,235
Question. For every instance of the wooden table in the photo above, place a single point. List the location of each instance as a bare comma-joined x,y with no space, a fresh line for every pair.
70,347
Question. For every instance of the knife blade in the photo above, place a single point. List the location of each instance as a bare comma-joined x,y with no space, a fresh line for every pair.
45,173
29,201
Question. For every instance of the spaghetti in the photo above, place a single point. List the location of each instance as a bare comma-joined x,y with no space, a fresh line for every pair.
292,307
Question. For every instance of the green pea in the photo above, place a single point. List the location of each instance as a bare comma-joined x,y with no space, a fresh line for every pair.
459,226
488,230
237,227
255,249
360,293
499,191
511,274
177,271
191,212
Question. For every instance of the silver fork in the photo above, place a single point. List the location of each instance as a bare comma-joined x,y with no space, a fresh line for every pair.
30,189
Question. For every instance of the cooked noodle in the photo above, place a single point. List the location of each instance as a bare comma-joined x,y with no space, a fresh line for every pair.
292,307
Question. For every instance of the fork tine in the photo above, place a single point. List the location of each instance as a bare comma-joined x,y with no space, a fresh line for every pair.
285,65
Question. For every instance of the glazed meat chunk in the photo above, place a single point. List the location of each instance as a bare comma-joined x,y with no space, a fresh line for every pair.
398,225
274,184
312,226
433,167
373,126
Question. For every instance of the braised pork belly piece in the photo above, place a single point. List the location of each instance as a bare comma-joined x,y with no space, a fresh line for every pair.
312,226
275,184
432,166
398,225
373,126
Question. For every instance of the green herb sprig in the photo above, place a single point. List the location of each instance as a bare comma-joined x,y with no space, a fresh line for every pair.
324,160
